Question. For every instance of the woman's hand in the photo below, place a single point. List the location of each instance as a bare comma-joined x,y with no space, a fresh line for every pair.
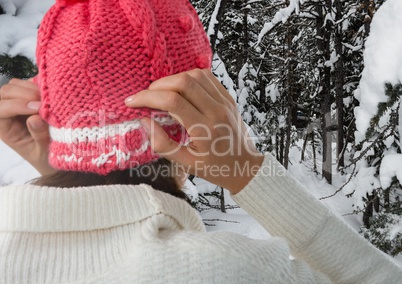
220,150
21,127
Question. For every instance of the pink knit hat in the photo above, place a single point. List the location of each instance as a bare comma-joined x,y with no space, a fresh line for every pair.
91,55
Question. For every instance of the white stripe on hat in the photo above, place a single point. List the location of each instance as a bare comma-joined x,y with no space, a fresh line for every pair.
94,134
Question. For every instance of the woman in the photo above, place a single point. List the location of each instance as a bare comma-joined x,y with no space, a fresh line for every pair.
99,224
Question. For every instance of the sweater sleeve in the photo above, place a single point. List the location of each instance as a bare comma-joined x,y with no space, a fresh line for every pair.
286,209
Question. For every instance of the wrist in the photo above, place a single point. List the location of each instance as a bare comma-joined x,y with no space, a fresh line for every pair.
43,167
47,170
251,167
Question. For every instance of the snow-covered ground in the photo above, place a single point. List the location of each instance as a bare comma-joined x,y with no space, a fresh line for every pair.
14,169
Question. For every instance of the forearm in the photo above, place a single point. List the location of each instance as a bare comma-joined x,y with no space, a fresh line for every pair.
285,208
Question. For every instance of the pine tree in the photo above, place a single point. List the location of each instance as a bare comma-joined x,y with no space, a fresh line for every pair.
383,139
18,66
293,67
382,207
369,153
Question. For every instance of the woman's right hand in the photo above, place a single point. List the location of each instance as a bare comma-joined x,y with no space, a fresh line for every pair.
21,128
220,149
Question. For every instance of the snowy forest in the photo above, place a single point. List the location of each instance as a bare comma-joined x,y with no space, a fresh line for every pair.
317,81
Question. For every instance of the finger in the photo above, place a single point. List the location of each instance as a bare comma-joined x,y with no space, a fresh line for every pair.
164,146
188,86
19,91
39,130
24,83
171,102
221,89
202,79
14,107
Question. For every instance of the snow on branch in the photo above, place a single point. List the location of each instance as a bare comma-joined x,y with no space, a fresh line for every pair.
214,19
383,63
281,16
391,166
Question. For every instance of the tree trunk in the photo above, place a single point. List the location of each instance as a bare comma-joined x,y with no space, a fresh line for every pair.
368,211
368,7
277,147
339,82
244,55
304,145
222,200
290,83
323,43
386,200
281,145
314,152
218,24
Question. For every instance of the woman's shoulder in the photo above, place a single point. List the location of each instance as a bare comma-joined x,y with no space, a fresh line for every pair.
184,256
229,245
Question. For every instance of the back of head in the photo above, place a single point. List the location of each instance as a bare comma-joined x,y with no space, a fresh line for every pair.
160,174
91,55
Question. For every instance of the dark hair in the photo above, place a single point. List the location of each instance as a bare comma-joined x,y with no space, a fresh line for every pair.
158,174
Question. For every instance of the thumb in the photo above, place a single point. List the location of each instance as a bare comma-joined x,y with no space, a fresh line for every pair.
38,129
163,145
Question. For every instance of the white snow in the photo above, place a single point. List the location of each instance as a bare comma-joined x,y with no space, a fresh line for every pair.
214,20
14,169
246,87
391,166
331,62
8,6
273,92
383,63
219,70
364,182
19,25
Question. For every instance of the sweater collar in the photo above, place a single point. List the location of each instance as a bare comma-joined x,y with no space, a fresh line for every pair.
29,208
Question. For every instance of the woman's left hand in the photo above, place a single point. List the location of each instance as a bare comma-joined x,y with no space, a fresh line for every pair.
21,127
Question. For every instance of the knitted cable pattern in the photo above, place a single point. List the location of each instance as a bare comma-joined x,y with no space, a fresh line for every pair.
91,55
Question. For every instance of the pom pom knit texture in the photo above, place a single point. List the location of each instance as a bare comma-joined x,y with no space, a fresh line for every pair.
91,56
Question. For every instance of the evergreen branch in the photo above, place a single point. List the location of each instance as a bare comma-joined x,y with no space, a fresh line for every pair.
217,220
394,93
346,145
379,138
220,220
352,175
17,67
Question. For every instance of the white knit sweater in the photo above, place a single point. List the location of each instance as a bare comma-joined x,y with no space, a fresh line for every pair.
134,234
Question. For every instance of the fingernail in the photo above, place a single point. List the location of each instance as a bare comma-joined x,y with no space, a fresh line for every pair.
34,105
37,124
146,125
129,99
